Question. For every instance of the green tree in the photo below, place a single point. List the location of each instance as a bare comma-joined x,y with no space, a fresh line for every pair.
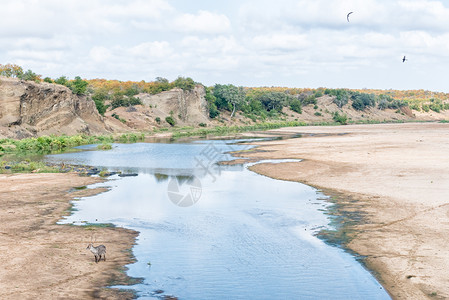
273,101
133,90
48,79
78,86
62,81
296,106
342,119
11,70
187,84
210,98
361,100
229,96
170,120
29,75
99,98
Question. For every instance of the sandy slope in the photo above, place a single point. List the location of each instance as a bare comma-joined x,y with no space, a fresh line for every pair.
398,175
40,259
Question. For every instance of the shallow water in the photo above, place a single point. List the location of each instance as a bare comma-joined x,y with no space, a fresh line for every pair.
213,232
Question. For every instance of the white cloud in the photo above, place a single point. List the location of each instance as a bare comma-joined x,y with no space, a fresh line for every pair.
203,22
151,50
250,42
100,54
281,41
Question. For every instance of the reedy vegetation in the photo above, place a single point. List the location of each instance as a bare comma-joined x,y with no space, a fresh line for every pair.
48,144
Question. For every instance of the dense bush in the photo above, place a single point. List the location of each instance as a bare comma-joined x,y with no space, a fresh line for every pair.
296,106
78,86
170,120
361,101
11,70
342,119
62,81
123,101
99,98
210,98
341,96
436,105
185,83
30,75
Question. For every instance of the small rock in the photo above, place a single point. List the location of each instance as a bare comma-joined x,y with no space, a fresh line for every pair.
128,175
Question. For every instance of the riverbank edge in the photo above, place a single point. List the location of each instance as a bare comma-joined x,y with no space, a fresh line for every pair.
345,216
390,223
61,190
346,211
119,277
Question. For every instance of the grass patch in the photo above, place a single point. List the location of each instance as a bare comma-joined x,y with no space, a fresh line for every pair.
92,226
26,167
224,130
80,188
54,144
104,146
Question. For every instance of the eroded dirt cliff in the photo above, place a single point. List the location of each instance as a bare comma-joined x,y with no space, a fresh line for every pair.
30,109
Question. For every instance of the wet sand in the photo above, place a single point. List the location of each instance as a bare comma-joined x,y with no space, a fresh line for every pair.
396,176
40,259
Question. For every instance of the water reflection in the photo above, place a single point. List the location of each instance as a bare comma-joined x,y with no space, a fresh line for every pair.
246,237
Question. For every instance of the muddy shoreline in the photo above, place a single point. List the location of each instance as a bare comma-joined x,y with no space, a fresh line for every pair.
393,178
53,260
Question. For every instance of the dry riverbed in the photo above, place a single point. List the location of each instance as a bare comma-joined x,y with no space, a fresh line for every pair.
396,176
40,259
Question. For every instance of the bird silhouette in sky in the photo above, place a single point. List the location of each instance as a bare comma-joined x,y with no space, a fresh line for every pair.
347,16
404,59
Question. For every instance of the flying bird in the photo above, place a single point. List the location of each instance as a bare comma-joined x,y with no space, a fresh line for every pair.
404,59
347,17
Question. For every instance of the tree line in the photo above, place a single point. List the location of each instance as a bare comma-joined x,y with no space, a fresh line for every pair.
254,103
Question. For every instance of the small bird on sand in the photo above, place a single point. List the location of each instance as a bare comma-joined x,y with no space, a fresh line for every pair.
347,16
404,59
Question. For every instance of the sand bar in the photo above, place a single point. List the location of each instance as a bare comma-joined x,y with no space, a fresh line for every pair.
40,259
398,176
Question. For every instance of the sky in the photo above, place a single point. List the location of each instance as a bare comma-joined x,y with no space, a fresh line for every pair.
289,43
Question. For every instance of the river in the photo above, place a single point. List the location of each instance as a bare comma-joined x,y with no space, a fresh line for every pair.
218,232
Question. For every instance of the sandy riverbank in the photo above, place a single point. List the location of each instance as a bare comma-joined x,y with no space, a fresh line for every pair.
40,259
398,175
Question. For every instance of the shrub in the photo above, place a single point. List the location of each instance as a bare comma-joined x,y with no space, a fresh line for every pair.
436,105
187,84
104,146
62,81
120,100
318,114
342,119
203,125
341,99
99,98
11,70
170,120
78,86
158,120
213,111
296,106
415,106
30,75
383,104
48,79
360,101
